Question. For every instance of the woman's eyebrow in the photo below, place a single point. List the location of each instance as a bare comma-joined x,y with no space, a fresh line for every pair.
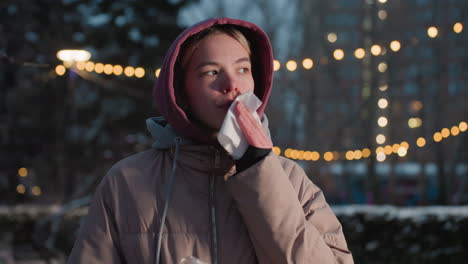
202,64
242,60
206,63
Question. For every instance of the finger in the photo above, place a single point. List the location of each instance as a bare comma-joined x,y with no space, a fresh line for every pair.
251,128
249,131
249,121
242,111
254,138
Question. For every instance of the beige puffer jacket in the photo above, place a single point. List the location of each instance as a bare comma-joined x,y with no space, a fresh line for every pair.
269,213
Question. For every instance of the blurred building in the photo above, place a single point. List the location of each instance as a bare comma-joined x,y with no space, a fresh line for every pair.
386,75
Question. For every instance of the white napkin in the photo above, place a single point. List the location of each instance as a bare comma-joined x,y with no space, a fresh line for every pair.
230,135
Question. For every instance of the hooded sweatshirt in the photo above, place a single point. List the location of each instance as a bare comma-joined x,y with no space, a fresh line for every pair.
188,193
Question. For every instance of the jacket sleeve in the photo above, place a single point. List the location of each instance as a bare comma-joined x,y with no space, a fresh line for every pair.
98,238
286,215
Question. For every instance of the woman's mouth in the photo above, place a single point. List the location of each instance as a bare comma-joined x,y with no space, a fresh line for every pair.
226,105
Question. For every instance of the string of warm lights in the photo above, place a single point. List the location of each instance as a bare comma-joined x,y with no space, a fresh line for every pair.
360,53
381,152
107,69
382,120
291,65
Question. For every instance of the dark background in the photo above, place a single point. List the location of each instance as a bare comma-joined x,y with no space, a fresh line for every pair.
59,134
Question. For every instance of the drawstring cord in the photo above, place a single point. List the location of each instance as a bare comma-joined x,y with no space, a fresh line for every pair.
166,202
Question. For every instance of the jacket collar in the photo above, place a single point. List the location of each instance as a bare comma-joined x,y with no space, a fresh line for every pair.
164,134
196,155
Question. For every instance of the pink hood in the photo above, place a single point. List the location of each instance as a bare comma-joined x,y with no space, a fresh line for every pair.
164,92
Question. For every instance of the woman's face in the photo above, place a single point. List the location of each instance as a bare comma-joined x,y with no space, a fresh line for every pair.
217,73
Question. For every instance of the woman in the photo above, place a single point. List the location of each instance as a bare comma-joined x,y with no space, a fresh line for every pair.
187,196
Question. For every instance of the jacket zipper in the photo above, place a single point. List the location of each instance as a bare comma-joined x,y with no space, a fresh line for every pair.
214,235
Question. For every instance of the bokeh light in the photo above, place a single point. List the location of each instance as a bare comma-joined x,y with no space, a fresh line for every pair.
23,172
307,63
458,27
388,150
328,156
455,131
376,50
462,126
381,157
80,65
437,137
416,106
382,67
359,53
291,65
421,142
357,154
300,155
20,188
404,144
382,14
383,87
445,133
382,121
395,45
108,69
89,66
139,72
402,152
99,67
294,154
277,150
432,32
36,190
118,70
414,122
382,103
276,66
60,70
129,71
338,54
366,153
315,156
332,37
380,139
73,55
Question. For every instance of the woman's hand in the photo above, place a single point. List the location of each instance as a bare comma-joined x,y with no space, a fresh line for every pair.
252,130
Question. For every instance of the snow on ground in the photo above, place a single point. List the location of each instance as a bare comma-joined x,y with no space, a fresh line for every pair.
392,212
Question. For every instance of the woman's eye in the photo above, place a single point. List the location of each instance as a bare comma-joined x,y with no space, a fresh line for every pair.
211,73
244,70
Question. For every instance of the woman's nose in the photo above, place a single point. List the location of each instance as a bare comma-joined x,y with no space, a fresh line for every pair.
229,85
